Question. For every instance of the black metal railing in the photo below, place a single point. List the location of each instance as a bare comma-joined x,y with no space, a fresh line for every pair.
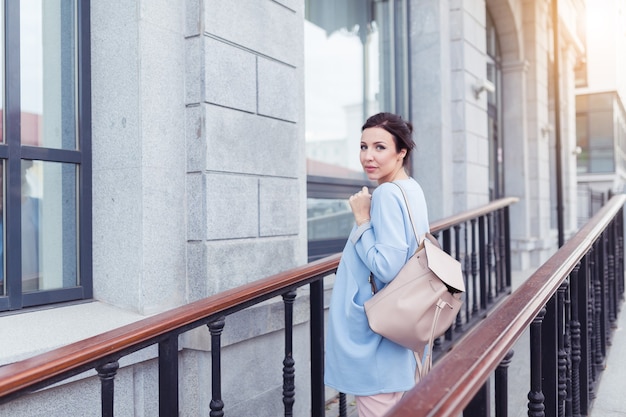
570,303
478,238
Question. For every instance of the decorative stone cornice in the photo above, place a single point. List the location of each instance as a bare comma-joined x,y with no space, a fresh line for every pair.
515,66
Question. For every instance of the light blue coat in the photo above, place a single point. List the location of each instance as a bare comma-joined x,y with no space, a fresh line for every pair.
359,361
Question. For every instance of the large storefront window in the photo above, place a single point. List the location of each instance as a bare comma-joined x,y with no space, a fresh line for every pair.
356,65
44,162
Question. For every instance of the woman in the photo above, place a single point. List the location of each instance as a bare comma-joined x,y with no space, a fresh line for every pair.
358,361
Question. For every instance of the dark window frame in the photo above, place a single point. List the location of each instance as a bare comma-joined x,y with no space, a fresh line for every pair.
330,188
13,152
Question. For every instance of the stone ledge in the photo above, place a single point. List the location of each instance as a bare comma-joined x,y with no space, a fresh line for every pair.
35,332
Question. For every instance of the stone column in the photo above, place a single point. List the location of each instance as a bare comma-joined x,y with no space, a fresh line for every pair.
430,101
542,239
138,167
515,150
568,139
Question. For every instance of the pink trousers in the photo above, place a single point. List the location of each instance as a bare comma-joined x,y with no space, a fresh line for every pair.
377,405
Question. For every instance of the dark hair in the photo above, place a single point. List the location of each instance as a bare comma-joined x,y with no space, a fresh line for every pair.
400,129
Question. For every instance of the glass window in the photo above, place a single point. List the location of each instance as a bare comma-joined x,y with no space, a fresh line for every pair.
494,111
599,133
1,71
49,226
601,101
45,221
329,218
620,130
2,273
47,38
2,193
356,65
601,150
582,103
582,140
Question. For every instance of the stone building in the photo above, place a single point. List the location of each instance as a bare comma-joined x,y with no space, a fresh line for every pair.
601,114
175,149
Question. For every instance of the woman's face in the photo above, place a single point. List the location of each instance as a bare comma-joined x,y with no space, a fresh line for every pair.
379,158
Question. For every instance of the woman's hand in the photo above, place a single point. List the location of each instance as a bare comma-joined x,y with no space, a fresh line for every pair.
360,204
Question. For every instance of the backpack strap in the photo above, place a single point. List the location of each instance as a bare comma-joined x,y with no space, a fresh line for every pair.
408,209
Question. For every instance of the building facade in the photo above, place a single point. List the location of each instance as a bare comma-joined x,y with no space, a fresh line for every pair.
601,114
173,150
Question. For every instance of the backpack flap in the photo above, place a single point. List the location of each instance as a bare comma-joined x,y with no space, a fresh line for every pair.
444,266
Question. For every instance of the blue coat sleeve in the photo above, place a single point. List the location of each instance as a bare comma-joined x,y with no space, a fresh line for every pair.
382,244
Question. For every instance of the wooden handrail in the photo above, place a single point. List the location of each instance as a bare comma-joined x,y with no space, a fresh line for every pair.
20,375
438,225
76,357
454,381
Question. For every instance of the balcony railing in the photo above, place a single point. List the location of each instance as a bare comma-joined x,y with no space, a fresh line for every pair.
570,304
478,238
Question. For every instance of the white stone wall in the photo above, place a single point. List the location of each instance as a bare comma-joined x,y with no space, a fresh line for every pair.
244,102
138,167
199,185
430,56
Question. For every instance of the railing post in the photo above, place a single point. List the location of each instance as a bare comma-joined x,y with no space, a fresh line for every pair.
343,405
604,299
612,288
598,327
457,254
466,273
474,267
536,407
480,405
549,356
507,246
289,388
492,276
168,377
585,295
216,405
447,247
619,257
107,374
502,385
316,311
482,264
574,327
562,353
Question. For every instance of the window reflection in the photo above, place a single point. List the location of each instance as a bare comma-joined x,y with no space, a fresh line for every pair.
328,219
49,226
1,72
2,240
341,81
30,230
47,52
600,133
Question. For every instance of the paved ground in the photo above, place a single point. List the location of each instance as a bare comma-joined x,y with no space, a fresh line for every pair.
611,397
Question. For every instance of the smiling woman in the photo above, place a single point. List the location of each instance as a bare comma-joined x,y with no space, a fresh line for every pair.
358,361
386,147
